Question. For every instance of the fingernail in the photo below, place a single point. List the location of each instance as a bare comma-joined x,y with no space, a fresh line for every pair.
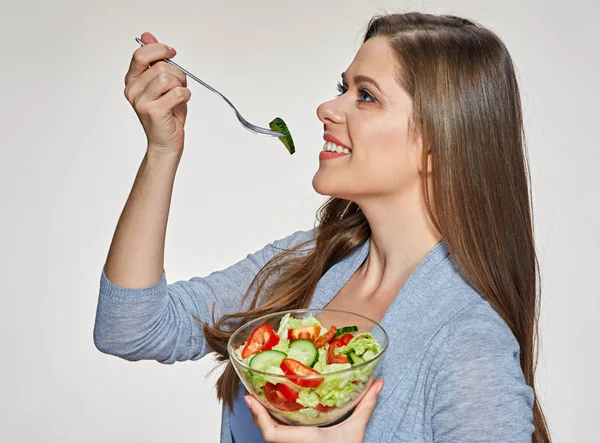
248,401
173,51
379,388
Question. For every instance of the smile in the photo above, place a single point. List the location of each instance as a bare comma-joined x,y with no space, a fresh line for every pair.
332,147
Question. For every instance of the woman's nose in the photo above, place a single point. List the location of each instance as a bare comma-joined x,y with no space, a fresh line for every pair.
330,112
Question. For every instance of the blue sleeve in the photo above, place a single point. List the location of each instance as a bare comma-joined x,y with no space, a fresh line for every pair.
156,323
481,394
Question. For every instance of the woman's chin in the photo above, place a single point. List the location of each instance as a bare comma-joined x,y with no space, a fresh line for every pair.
326,187
321,185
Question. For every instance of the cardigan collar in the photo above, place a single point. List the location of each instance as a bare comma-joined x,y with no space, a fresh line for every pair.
423,305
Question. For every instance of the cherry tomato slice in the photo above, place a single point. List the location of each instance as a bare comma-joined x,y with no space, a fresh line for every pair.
278,400
290,366
262,338
288,392
323,408
308,332
332,358
324,339
346,338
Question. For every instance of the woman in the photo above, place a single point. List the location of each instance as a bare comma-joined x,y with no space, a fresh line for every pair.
428,230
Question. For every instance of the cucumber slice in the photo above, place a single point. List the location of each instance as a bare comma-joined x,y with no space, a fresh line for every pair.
266,359
354,358
303,351
279,125
345,330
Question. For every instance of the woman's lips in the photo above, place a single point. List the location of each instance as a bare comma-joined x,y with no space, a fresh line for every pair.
330,138
327,155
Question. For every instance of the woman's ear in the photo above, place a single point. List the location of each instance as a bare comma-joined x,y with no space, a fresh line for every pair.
421,164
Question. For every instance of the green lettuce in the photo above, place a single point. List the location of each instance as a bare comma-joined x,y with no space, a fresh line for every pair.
308,398
360,344
283,345
296,323
319,366
259,380
283,326
337,390
305,416
287,322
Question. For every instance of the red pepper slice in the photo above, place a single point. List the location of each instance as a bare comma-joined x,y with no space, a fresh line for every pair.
324,339
288,392
290,366
277,399
262,338
332,358
308,332
346,338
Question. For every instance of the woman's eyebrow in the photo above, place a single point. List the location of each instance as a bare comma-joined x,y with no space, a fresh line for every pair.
363,79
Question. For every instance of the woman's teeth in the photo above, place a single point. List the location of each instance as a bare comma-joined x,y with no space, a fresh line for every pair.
332,147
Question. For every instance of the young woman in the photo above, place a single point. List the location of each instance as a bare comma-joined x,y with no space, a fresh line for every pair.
428,230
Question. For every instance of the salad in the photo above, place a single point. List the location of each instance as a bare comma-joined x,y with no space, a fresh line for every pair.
302,347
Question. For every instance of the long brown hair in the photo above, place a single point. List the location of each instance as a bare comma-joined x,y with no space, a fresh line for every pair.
467,109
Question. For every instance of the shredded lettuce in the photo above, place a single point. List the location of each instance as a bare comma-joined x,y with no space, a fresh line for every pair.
283,345
259,380
360,344
336,367
337,390
305,416
296,323
283,326
308,398
319,366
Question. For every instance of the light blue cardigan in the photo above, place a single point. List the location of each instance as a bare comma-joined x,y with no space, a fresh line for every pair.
451,371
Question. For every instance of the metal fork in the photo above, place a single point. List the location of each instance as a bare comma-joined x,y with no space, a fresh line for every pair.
242,120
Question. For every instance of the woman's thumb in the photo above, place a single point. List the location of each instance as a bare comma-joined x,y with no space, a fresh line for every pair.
365,407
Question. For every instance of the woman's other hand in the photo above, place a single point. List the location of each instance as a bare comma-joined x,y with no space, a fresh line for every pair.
351,430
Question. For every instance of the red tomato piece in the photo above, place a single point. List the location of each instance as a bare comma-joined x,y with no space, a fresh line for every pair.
277,399
262,338
308,332
332,358
323,408
287,391
325,338
290,366
346,338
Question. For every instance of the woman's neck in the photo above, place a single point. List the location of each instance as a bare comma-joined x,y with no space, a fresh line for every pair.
402,234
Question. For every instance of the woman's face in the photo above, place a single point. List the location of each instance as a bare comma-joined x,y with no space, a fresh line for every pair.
370,117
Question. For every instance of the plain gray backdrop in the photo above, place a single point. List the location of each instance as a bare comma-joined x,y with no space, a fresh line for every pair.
71,145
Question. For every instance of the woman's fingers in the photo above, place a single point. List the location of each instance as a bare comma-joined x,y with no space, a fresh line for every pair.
158,93
145,56
355,427
364,408
148,37
141,84
262,419
276,433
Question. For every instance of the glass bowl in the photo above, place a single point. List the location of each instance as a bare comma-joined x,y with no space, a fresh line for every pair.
298,396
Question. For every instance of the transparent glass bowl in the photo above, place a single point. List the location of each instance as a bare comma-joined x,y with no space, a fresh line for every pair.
345,387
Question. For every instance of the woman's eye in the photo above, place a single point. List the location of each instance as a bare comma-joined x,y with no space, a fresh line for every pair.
365,96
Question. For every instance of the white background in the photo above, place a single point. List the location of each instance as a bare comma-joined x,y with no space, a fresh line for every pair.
71,145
